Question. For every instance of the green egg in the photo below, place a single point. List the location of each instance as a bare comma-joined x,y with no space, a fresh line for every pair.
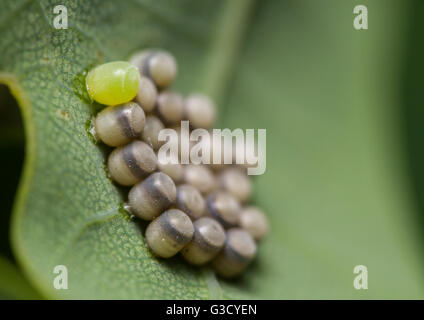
113,83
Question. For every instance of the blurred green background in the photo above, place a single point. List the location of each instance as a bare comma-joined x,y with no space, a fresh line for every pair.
343,109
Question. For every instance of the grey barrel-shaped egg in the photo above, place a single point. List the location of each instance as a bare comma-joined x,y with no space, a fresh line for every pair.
131,163
201,177
170,107
254,221
174,170
200,111
169,233
150,197
236,181
191,201
120,124
158,65
147,94
238,251
208,240
224,208
150,134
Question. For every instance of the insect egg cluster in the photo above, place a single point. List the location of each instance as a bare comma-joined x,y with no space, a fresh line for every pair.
198,210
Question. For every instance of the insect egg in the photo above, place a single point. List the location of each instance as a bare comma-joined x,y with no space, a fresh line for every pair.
190,201
118,125
151,130
132,162
170,107
239,250
174,170
253,220
237,182
224,208
150,197
200,176
147,94
200,111
158,65
169,233
208,239
113,83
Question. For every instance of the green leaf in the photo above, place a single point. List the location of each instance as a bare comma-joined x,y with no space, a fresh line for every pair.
335,188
